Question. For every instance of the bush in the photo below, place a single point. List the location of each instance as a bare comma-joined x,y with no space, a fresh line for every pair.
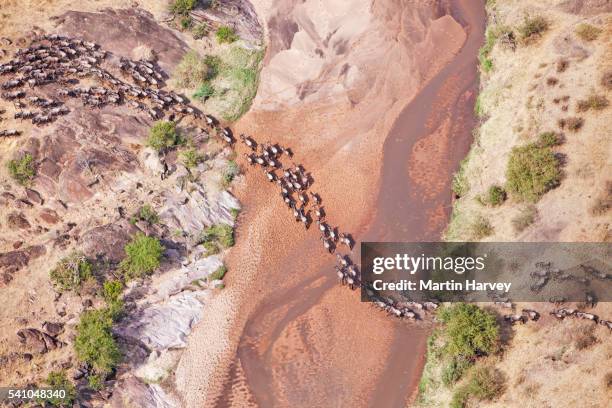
22,170
186,22
143,256
496,195
588,32
454,370
214,65
218,274
221,235
191,158
182,6
94,343
226,34
71,272
470,331
572,124
205,91
549,139
486,64
112,294
532,171
148,214
231,171
481,228
163,135
58,380
192,71
595,102
96,381
486,383
532,27
525,218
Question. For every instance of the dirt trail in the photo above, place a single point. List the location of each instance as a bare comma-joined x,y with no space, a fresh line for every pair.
302,339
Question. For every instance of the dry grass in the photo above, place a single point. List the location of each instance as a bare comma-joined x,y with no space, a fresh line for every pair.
143,53
603,203
573,124
593,102
588,32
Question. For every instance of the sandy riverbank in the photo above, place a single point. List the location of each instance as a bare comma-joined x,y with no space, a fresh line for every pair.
333,85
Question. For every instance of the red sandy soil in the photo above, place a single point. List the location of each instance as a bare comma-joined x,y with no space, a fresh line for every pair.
296,337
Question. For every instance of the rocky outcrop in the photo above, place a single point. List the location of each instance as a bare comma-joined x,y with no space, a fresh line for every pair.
131,392
37,341
240,14
13,261
108,241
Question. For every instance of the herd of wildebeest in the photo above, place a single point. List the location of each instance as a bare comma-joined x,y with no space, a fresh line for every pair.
56,65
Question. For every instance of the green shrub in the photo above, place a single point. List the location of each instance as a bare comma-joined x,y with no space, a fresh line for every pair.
549,139
235,212
94,342
532,171
486,64
59,381
186,22
595,102
182,6
200,31
454,370
96,381
205,91
22,170
231,171
71,272
148,214
112,294
526,217
588,32
211,247
481,228
222,234
163,135
485,384
214,65
226,34
460,184
532,27
191,158
143,256
470,331
192,71
218,274
496,195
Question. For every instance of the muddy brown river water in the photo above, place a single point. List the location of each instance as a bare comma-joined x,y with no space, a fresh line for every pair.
286,358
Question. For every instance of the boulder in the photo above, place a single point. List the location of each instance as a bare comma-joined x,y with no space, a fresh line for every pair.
37,341
107,241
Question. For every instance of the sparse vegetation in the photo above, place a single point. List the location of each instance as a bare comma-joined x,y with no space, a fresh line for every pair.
200,31
231,171
226,34
526,217
485,384
191,158
572,124
588,32
606,80
186,22
59,381
182,7
594,102
533,27
218,274
454,370
235,212
562,65
22,170
460,184
192,71
112,294
481,228
217,237
603,203
71,272
495,196
146,214
549,139
486,64
205,91
143,256
163,135
532,171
